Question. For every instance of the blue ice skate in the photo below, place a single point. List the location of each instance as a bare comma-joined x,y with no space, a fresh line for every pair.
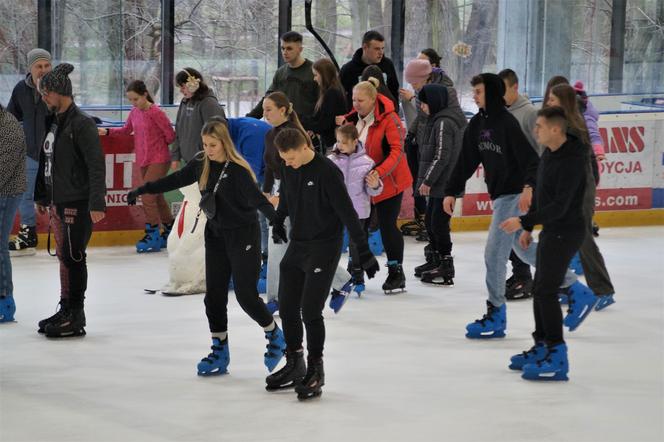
575,265
359,288
536,352
276,347
7,309
582,301
604,302
492,324
339,297
262,285
151,242
552,367
376,243
345,243
216,362
272,306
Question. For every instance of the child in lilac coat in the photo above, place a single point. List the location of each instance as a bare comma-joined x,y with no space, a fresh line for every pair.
349,156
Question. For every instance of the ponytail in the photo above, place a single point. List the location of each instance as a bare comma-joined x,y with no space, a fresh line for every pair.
280,100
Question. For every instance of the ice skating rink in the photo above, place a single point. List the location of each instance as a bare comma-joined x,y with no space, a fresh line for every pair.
397,368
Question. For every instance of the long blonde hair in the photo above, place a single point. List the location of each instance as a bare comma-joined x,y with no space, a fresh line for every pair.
216,128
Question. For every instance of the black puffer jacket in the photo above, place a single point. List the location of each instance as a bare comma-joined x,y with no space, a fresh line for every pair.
442,136
28,107
77,167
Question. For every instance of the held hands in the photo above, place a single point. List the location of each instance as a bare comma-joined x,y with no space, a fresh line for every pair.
448,205
97,216
405,94
339,120
525,239
279,235
511,225
132,196
373,179
368,262
102,131
525,199
424,190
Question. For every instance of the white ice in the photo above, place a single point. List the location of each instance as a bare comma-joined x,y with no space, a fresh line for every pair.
397,368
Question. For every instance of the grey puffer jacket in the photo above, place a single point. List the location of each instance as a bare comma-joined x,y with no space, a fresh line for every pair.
12,156
192,115
441,141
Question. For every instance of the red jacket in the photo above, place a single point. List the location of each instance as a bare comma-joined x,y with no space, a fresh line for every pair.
385,146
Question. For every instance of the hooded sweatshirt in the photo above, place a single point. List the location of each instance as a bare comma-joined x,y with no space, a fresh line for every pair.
28,107
192,115
526,114
439,148
558,198
352,71
495,139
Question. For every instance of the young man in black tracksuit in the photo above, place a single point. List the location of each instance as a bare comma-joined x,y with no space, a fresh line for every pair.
557,205
71,180
314,197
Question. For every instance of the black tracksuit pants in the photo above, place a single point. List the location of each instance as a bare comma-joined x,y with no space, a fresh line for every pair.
554,252
72,227
387,212
305,278
237,253
438,226
354,267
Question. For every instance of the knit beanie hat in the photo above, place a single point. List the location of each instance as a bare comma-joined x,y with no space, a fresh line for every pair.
417,70
58,80
38,54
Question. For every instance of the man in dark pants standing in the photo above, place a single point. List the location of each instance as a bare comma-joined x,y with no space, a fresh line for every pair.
558,206
71,181
314,197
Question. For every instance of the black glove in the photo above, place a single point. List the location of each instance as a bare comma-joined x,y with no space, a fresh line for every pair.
368,262
279,235
132,195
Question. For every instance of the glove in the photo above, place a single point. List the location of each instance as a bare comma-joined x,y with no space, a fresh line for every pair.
368,262
279,235
132,195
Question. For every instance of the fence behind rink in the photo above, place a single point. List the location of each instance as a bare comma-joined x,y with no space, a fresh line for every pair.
631,190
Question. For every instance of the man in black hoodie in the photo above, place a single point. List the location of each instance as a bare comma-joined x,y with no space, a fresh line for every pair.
494,138
72,182
371,52
558,207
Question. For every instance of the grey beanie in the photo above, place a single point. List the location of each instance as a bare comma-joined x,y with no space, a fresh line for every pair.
38,54
58,80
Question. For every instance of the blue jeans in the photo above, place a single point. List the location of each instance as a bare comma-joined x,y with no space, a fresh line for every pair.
8,205
499,245
26,207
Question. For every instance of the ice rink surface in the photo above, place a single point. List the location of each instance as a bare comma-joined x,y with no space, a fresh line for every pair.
397,368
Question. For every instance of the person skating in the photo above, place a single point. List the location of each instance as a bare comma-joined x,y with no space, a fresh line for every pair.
350,157
494,138
438,152
152,134
313,195
229,200
558,206
71,183
28,108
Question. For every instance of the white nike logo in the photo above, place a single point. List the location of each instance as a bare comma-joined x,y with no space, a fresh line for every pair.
310,183
248,248
317,270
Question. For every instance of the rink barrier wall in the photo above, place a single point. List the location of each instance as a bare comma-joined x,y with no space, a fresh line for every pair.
631,191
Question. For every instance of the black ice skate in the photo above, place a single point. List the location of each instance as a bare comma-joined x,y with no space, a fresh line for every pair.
432,261
414,227
63,309
310,387
290,374
396,280
518,288
443,274
70,324
25,243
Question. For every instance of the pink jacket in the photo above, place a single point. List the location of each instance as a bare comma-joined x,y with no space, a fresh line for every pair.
355,168
152,134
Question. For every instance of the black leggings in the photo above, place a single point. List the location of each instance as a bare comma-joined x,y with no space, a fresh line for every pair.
413,157
305,279
235,252
438,226
72,227
387,212
554,252
355,267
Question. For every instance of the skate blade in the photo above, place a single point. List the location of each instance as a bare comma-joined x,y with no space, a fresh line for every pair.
288,386
437,282
172,294
555,376
519,296
395,291
72,334
150,291
23,252
206,374
307,396
601,305
487,335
